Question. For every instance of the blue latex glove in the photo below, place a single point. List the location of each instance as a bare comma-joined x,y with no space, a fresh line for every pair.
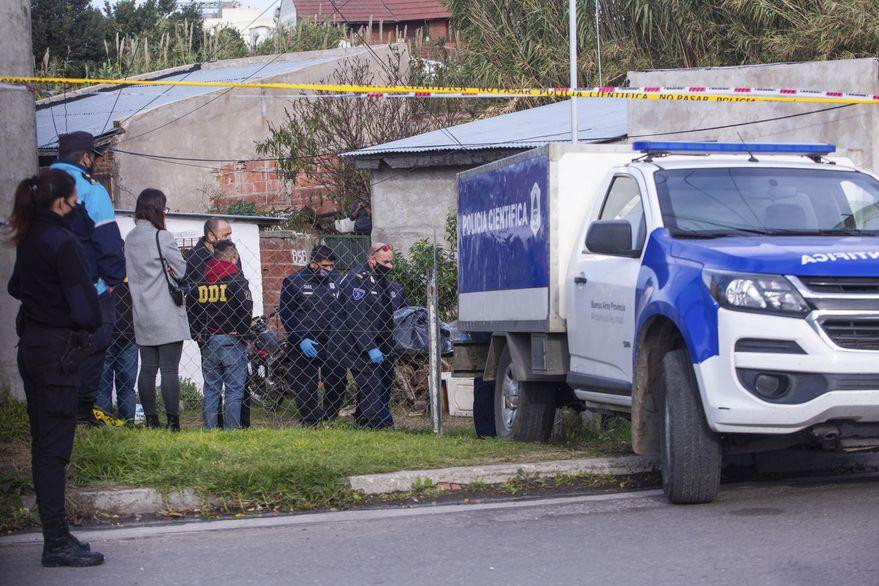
308,347
376,356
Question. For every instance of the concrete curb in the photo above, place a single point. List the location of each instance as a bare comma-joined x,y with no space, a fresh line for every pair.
131,501
148,501
498,473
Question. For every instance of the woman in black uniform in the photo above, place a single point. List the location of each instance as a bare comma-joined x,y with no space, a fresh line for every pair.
59,307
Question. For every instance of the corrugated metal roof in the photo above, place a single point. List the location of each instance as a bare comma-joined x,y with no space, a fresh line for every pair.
93,112
361,11
599,120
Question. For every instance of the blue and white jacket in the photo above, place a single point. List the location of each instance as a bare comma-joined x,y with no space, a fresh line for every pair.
94,223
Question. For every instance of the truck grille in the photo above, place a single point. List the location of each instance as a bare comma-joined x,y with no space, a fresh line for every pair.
843,285
858,333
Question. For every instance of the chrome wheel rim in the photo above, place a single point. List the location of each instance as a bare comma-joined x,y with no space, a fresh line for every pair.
510,398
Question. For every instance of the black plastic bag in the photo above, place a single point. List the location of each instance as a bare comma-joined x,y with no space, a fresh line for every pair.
411,332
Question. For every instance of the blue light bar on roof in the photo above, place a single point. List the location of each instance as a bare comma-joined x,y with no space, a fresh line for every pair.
647,146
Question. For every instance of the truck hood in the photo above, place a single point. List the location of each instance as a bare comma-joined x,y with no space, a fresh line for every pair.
844,256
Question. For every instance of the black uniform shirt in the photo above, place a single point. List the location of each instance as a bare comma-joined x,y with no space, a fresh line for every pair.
52,279
368,310
311,308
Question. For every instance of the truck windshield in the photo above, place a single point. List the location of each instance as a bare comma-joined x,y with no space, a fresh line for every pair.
716,202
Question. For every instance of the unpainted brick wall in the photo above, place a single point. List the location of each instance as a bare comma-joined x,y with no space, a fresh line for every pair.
258,182
282,253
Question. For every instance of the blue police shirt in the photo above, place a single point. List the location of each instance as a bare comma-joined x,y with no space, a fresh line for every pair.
95,226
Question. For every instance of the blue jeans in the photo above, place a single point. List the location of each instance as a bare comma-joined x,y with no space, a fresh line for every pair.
223,362
120,362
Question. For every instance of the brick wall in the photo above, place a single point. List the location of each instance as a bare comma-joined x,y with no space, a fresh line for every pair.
105,174
258,182
282,253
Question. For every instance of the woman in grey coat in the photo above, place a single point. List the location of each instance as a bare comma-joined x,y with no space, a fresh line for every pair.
160,325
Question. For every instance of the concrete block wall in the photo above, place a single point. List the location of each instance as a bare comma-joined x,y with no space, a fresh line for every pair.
853,129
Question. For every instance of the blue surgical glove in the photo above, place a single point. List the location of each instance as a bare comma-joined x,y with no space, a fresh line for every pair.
376,356
308,347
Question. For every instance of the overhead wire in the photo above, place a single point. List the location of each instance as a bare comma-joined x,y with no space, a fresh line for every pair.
393,74
212,54
513,143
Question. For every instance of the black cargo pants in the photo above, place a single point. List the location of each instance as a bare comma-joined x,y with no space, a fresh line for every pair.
52,397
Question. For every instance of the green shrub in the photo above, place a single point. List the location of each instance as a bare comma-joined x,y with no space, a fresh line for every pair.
190,397
413,269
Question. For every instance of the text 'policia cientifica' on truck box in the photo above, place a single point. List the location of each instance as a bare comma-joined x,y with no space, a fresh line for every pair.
724,296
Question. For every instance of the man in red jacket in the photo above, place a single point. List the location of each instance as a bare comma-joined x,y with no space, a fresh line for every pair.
227,308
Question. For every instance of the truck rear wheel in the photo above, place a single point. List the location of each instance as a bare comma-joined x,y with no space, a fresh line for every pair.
523,411
690,451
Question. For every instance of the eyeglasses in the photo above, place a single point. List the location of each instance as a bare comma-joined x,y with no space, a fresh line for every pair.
385,248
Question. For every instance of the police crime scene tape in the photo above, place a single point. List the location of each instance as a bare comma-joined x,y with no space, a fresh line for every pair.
686,93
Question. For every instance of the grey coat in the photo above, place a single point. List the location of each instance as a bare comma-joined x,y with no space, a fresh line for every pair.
157,319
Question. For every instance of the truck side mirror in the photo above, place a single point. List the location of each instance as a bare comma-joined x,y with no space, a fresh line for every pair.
610,237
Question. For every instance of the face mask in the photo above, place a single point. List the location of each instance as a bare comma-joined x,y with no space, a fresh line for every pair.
382,269
69,207
322,272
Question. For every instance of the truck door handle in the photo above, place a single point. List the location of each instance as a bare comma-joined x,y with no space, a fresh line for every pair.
580,280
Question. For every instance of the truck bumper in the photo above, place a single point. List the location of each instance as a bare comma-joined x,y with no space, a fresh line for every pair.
731,407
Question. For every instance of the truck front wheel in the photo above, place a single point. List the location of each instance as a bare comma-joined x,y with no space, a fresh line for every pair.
690,451
523,411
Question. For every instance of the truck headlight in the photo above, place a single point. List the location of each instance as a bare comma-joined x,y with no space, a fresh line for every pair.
755,292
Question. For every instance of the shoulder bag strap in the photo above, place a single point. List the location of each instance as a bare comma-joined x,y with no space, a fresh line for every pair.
164,264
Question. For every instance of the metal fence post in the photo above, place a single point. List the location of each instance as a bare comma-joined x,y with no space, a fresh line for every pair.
435,366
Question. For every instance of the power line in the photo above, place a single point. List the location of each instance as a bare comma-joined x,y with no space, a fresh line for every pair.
197,108
213,53
392,73
512,143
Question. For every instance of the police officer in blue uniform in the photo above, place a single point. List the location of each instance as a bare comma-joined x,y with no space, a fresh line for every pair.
59,310
94,223
369,316
311,311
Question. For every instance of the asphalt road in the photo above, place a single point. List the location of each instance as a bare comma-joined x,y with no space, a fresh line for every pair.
804,532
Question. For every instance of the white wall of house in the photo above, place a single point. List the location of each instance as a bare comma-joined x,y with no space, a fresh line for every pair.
187,230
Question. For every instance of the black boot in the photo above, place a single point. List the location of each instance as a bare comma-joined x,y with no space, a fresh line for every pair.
83,545
152,421
173,422
85,416
64,552
60,548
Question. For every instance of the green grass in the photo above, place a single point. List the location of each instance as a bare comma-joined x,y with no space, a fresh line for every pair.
268,467
286,468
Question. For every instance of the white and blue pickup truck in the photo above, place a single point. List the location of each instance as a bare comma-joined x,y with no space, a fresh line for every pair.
724,296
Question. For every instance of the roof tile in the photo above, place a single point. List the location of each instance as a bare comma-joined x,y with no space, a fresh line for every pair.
361,11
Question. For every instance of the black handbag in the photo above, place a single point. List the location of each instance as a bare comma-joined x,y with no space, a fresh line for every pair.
178,293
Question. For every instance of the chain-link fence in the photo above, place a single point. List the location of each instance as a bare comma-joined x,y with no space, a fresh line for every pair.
344,337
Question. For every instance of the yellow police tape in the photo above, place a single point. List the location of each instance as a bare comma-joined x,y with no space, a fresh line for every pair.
692,93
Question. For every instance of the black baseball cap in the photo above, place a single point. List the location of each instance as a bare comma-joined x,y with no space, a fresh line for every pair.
77,141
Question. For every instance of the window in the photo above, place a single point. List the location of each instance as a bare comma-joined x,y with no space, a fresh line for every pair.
623,202
755,201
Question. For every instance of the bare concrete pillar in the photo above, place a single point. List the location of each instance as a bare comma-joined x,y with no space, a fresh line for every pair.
18,145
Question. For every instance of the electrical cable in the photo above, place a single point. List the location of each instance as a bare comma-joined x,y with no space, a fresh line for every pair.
197,108
213,53
513,143
393,74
